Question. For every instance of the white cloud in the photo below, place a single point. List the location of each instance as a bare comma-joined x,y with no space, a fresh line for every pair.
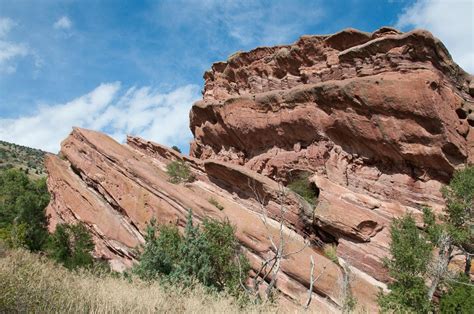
161,117
450,21
6,25
9,50
63,23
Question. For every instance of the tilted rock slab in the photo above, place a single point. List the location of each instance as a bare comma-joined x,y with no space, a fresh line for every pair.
117,189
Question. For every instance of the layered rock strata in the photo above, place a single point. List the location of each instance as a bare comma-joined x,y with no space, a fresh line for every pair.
379,121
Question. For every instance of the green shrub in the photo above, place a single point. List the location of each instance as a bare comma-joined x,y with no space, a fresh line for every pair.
71,245
459,298
179,172
410,255
214,202
330,252
161,253
459,196
176,148
23,202
14,235
210,256
302,186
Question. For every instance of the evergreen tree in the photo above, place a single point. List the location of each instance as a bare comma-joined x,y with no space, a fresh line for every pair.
23,203
72,245
210,255
418,269
410,254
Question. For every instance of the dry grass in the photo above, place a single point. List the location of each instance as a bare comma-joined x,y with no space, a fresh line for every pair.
30,283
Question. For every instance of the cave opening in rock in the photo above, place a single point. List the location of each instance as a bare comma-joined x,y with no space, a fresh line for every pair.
300,183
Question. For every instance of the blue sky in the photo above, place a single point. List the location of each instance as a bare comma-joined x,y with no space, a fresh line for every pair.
135,67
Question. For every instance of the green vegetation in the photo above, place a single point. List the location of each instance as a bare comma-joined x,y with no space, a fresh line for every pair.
23,158
23,222
201,269
209,256
459,296
176,148
179,172
408,266
214,202
303,187
22,210
420,258
71,245
331,253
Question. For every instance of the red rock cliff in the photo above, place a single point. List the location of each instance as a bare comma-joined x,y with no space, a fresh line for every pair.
380,121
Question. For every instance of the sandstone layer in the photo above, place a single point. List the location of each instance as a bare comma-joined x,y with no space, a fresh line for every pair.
378,120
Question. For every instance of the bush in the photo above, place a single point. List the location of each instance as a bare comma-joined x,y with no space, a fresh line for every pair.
176,148
179,172
161,253
23,203
214,202
459,298
71,245
302,186
330,252
209,256
410,255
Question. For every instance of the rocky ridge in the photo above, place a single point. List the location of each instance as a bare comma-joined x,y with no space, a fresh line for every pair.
379,120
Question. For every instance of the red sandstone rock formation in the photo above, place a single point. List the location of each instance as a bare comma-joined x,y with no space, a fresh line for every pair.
379,120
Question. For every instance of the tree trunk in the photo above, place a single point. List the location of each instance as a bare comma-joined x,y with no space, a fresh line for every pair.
439,266
467,267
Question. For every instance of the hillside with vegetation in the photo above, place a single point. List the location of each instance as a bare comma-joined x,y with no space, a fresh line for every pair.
27,159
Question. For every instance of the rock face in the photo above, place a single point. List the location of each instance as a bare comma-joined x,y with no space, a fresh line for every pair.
378,120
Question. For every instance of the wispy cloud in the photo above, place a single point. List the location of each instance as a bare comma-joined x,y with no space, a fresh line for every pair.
249,23
9,50
63,23
146,112
451,21
6,24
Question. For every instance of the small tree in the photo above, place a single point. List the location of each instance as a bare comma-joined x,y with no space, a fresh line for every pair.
23,203
72,245
176,148
161,252
414,262
459,221
410,254
209,255
179,172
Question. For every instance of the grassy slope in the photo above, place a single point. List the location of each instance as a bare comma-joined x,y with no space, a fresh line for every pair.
31,283
21,157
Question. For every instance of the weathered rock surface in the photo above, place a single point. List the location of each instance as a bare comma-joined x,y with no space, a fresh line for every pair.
116,189
379,120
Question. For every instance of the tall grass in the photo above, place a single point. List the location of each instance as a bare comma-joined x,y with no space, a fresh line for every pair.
32,283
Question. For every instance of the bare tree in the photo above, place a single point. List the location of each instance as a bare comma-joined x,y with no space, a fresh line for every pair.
271,266
312,280
438,268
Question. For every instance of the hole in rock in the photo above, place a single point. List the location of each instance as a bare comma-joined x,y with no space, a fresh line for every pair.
461,113
300,184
